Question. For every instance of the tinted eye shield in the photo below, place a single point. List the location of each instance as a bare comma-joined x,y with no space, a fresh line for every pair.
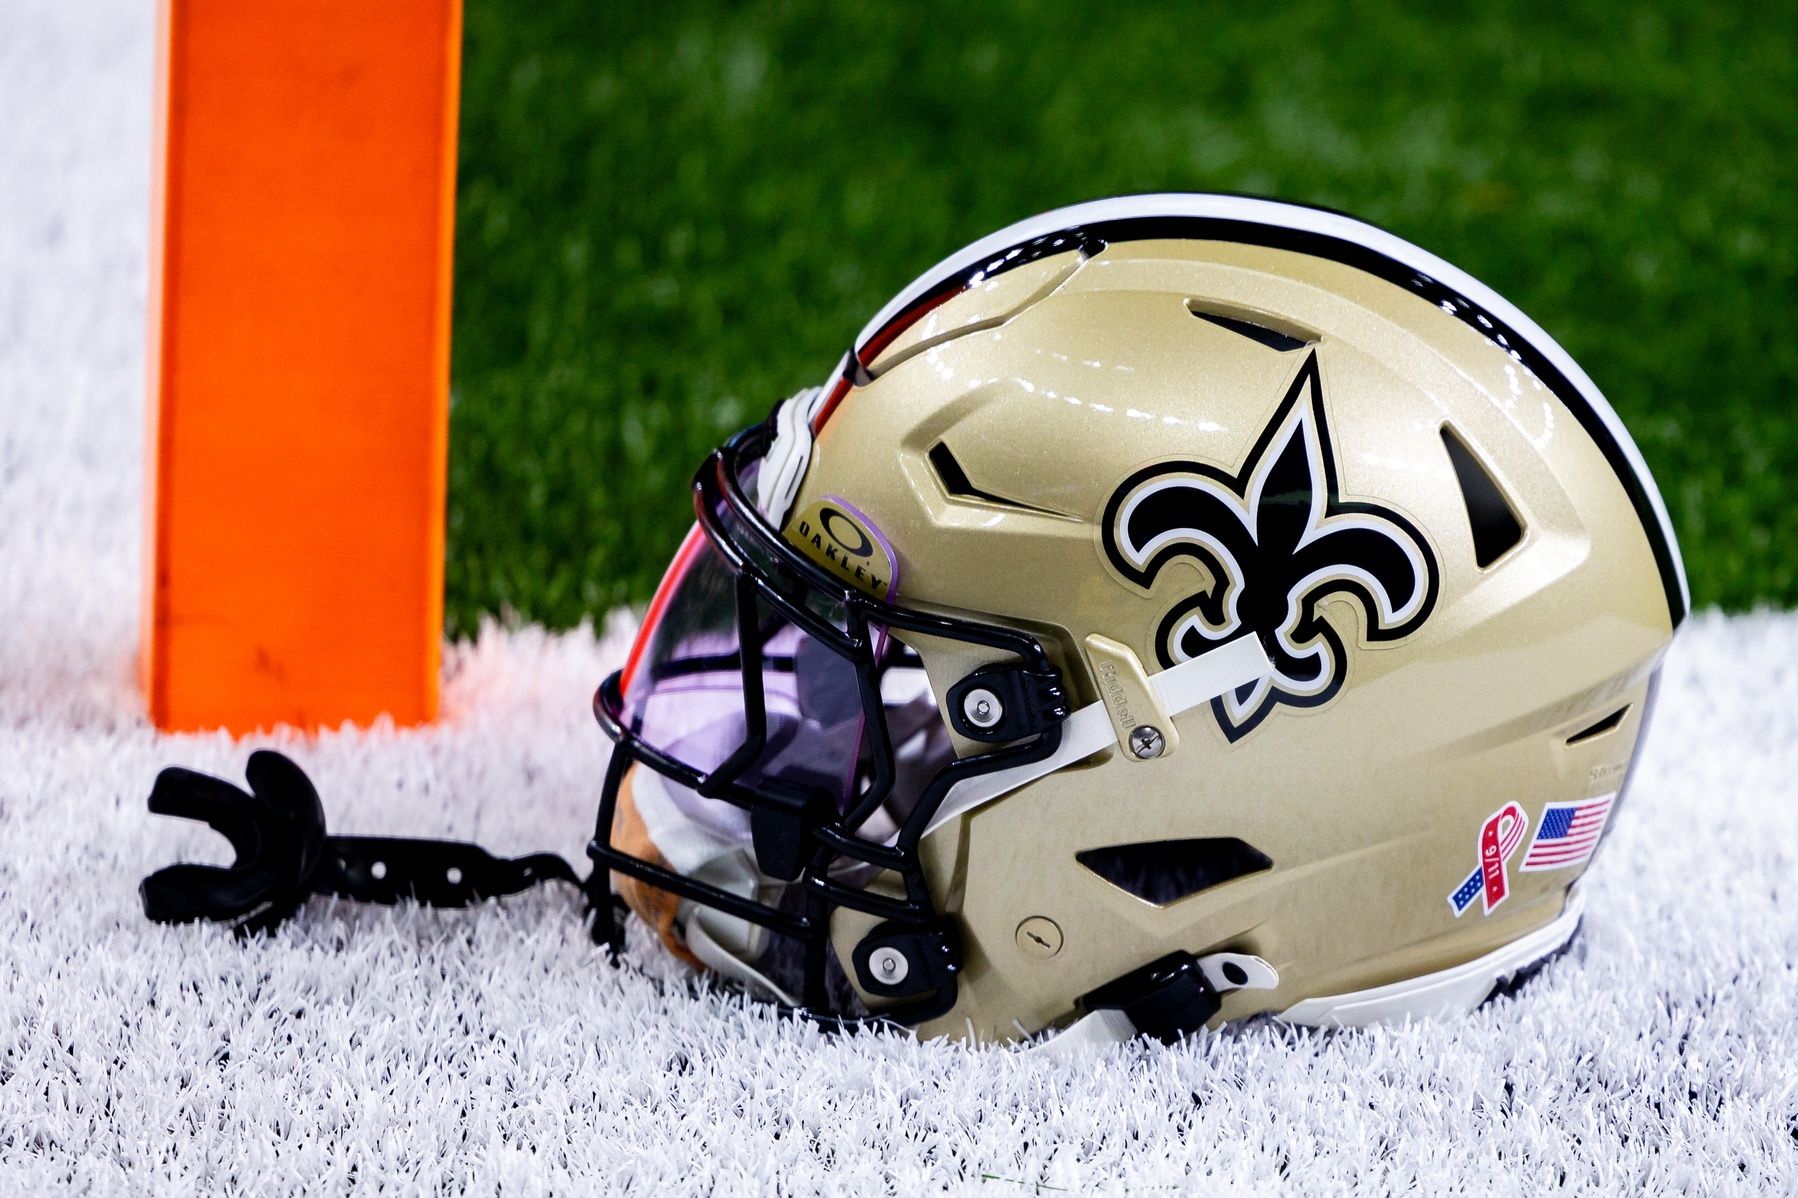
805,822
778,589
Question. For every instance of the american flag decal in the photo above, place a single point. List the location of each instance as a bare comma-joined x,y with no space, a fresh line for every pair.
1568,833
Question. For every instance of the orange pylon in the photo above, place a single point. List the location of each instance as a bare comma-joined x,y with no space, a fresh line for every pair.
299,361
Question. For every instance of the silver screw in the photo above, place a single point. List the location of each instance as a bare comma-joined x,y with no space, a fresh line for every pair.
889,965
1146,741
982,707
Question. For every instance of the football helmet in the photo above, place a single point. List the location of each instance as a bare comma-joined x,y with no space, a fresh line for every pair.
1172,609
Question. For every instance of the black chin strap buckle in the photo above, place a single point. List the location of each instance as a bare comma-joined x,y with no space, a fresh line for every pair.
1166,999
284,855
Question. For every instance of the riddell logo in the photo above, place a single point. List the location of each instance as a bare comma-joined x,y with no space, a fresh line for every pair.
1116,694
843,541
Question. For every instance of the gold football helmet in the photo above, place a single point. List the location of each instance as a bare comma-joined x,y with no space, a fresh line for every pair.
1174,608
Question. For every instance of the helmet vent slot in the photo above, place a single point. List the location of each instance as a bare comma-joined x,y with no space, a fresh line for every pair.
1598,729
1164,871
1259,333
956,482
1496,529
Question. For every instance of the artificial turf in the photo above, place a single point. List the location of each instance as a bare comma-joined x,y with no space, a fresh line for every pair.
672,215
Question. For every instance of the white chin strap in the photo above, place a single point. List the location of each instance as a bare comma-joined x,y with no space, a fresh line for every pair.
1180,688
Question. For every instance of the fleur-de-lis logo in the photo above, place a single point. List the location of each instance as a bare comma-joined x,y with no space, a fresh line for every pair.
1277,540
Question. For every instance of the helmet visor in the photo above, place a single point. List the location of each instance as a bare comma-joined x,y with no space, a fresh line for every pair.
749,676
790,732
694,695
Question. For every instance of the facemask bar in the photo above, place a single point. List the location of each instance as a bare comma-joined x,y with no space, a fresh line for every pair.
794,835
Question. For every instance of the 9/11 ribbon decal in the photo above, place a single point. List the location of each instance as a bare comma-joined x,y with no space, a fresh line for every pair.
1500,837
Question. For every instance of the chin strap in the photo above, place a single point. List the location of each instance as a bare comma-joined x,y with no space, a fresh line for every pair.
1167,999
284,855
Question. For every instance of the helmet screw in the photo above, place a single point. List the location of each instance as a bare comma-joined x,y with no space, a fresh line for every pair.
888,964
1039,936
982,707
1146,741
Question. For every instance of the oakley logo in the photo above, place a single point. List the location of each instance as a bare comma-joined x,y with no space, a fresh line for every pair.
1277,540
843,531
846,543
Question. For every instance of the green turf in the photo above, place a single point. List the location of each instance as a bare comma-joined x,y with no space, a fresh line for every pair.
672,215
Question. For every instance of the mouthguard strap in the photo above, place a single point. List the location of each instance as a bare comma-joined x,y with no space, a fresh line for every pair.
284,856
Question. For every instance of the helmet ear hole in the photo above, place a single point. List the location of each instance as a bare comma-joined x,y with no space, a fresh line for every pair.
1165,871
